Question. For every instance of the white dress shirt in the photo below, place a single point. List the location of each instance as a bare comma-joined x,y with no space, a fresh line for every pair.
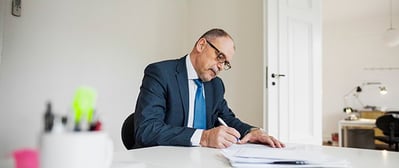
192,87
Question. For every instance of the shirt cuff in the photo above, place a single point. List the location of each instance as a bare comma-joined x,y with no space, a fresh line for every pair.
196,138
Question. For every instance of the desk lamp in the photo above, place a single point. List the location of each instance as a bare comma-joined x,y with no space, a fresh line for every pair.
351,112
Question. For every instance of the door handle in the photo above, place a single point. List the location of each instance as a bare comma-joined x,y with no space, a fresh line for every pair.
277,75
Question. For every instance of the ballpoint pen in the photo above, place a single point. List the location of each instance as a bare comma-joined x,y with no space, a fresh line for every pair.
296,162
223,123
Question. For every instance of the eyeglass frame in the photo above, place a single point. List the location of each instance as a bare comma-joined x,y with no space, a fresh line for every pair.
220,56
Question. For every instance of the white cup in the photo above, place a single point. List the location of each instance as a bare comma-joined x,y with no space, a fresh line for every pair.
76,150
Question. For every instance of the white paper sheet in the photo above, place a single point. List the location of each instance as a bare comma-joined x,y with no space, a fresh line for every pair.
255,155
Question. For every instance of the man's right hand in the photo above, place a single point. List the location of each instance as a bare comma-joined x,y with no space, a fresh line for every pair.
219,137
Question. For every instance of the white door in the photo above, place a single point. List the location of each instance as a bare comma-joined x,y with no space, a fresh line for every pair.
293,39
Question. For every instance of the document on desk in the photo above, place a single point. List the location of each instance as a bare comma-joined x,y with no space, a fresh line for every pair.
256,155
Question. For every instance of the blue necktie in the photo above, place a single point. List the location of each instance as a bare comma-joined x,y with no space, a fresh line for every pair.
199,107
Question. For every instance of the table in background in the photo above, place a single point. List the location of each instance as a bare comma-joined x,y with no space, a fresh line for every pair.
183,157
343,124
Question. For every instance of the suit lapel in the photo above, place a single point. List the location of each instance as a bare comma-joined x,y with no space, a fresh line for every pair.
182,81
209,95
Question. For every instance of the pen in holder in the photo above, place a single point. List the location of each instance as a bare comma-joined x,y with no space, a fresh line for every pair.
84,108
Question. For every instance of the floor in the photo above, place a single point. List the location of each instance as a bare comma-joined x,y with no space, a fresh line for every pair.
378,146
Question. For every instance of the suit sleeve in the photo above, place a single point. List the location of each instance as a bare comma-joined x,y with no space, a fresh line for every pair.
225,112
151,109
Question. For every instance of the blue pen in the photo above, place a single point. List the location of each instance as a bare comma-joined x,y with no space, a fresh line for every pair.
223,123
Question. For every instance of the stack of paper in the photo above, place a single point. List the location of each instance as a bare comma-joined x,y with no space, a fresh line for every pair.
255,155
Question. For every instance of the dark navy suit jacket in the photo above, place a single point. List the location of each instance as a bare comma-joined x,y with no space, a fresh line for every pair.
161,113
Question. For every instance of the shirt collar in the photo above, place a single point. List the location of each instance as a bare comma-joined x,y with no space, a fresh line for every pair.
191,73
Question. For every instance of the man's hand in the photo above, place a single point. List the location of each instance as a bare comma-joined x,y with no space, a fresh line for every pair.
259,136
219,137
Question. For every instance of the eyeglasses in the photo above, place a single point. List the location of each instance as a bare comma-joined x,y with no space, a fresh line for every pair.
220,57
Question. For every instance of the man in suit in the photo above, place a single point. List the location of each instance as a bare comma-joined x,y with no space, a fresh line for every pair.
167,112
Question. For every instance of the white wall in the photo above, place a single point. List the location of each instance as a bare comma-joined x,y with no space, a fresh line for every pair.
2,10
351,45
56,46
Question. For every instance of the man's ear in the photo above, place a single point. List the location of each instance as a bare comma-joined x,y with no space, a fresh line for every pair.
200,46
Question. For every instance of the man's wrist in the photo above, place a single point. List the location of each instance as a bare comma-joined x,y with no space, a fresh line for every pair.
204,139
255,129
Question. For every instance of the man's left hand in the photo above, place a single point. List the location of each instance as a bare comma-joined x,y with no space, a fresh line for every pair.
259,136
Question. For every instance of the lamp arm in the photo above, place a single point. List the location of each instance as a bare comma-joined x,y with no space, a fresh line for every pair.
356,91
371,83
360,102
347,95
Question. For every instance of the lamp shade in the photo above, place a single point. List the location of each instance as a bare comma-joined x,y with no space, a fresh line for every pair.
391,37
383,90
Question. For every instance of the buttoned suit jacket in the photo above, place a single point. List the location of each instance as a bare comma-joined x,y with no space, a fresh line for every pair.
162,107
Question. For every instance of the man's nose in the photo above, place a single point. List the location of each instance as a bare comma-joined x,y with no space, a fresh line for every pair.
220,66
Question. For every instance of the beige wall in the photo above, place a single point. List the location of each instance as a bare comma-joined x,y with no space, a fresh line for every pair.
2,10
56,46
243,20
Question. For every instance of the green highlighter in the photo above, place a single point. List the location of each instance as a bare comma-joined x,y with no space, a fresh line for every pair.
84,105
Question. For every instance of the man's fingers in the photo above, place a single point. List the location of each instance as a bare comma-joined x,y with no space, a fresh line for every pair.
220,137
276,142
233,132
230,134
270,141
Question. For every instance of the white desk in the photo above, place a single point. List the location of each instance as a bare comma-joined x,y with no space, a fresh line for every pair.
343,124
183,157
173,157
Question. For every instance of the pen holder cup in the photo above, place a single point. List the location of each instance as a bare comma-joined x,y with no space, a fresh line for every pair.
76,149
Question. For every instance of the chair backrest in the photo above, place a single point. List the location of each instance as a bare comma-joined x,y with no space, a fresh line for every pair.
128,132
392,112
388,123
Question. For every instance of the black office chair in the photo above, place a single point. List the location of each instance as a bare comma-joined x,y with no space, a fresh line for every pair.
389,125
128,133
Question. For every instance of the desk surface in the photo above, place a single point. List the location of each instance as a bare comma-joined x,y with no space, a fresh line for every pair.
176,157
361,121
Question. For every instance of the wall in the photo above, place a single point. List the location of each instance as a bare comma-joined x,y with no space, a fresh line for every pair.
2,13
244,21
56,46
352,44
